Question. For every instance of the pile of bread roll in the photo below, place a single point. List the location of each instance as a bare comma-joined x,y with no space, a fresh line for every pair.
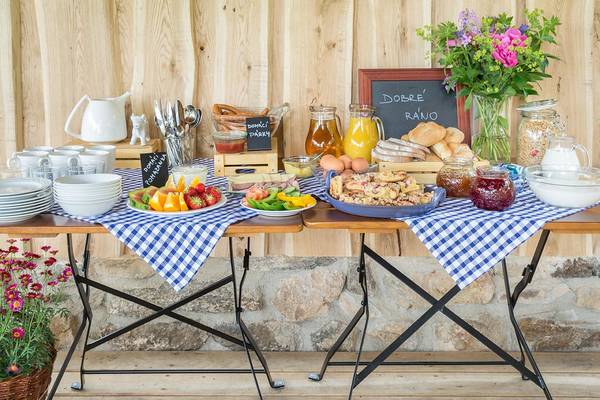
428,141
443,142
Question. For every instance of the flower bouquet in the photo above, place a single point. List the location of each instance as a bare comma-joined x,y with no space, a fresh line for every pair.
31,296
492,60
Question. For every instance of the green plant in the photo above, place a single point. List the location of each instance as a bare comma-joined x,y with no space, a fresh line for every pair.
31,296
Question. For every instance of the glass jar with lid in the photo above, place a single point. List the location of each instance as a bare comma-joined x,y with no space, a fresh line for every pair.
539,120
492,189
456,176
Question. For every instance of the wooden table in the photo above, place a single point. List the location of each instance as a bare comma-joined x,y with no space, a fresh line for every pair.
52,225
324,216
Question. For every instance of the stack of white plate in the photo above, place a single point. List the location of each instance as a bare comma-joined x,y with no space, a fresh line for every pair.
88,195
24,198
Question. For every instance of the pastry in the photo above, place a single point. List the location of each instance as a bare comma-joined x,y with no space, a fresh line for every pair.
454,135
427,134
461,150
442,150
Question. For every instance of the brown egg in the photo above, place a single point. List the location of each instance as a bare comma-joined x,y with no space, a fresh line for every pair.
324,159
347,160
333,164
360,165
346,174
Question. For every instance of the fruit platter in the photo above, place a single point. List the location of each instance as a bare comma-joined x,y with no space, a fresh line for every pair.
176,199
277,202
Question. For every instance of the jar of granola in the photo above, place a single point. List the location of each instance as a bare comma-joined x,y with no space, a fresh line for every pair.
539,120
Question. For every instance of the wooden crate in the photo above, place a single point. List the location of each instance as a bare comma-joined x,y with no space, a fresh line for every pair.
425,172
266,161
127,155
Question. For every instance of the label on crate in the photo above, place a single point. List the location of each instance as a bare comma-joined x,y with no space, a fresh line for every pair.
259,133
155,169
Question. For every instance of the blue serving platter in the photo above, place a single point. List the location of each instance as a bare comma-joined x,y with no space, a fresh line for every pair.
386,212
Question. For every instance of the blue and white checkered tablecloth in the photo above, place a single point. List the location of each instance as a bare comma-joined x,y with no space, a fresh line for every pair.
176,247
468,241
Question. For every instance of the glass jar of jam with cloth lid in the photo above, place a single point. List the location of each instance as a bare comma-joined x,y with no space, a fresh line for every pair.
456,176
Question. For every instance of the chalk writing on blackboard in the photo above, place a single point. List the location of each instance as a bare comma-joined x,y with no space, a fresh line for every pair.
259,133
155,169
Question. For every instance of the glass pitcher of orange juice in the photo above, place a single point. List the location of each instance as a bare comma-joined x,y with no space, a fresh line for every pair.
364,131
324,132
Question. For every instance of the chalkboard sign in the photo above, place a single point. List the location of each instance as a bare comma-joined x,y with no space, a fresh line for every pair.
404,97
155,169
259,133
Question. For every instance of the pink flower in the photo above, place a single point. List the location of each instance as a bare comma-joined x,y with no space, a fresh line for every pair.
46,248
68,271
16,305
29,254
36,286
13,249
11,294
11,241
18,333
12,370
50,262
52,283
451,43
53,252
25,240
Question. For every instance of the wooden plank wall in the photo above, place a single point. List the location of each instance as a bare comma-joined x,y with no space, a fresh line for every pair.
256,53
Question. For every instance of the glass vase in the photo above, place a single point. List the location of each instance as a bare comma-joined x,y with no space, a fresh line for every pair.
489,127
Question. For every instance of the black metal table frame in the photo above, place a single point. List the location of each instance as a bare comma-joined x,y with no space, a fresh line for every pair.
533,374
84,283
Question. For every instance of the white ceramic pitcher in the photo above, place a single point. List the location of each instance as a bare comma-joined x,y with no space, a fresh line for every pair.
103,120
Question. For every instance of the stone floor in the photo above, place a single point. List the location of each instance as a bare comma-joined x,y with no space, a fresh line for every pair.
569,376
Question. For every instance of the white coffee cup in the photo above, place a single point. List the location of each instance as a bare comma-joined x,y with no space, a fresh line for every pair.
72,147
64,158
112,150
26,160
98,158
40,148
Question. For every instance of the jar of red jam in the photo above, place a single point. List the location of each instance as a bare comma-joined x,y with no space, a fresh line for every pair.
456,176
492,189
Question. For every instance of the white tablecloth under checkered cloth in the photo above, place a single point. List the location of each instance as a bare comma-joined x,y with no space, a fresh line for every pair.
176,247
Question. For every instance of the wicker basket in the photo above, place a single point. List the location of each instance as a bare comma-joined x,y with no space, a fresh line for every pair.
28,387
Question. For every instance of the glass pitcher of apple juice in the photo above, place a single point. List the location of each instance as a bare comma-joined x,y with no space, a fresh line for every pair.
364,131
323,135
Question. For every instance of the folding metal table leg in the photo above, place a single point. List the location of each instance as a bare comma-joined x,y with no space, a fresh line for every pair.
247,338
512,299
361,311
86,260
86,317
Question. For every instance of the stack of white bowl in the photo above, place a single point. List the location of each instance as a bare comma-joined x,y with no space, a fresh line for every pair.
88,195
24,198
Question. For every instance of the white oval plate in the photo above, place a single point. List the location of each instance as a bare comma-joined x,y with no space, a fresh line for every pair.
5,203
278,214
218,204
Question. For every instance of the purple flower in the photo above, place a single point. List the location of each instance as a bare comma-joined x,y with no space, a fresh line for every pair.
524,28
18,333
16,305
468,22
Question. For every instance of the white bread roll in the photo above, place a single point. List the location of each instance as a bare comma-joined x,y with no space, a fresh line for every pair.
461,150
442,150
427,134
454,135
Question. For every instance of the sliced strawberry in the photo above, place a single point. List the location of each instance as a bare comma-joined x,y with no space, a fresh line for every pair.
194,202
209,198
200,188
191,191
213,191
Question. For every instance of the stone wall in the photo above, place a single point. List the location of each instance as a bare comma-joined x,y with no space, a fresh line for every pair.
302,304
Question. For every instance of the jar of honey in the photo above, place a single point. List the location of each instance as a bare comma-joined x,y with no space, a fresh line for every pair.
324,132
456,176
492,189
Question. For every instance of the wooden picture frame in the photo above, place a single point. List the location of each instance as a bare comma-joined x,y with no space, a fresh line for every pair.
367,76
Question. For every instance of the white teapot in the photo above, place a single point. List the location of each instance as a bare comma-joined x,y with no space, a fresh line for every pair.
103,120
